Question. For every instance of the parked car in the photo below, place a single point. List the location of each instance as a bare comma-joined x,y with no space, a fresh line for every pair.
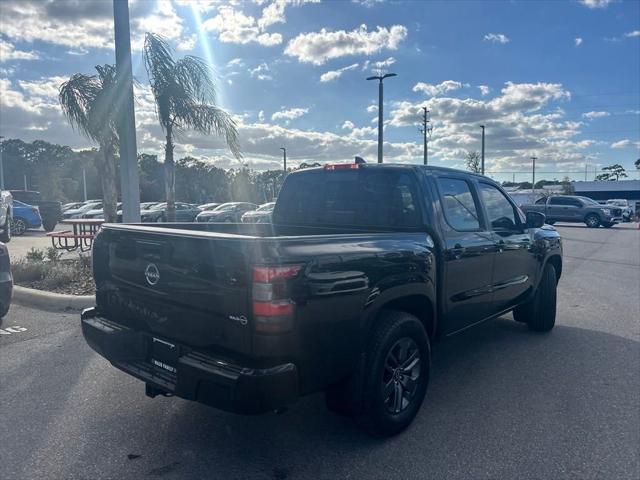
362,269
25,217
227,212
158,213
6,280
78,212
99,212
627,211
50,211
6,212
69,206
261,215
143,207
209,206
576,209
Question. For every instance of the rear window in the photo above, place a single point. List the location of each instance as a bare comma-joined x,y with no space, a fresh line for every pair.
359,197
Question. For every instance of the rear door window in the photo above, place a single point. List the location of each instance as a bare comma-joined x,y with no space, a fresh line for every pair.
355,197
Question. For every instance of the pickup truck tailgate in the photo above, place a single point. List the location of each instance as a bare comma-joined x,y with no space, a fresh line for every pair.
192,289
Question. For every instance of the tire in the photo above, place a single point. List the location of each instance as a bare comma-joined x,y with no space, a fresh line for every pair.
607,224
395,375
592,220
4,309
5,234
18,226
49,225
540,312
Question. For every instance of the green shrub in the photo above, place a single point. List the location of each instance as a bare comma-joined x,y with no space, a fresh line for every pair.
28,271
35,255
53,254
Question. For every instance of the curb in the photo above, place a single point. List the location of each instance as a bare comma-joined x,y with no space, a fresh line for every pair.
49,301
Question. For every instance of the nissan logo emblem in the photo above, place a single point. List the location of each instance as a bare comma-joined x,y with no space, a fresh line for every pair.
152,274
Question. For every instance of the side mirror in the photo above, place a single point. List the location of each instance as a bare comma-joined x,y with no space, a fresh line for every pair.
535,219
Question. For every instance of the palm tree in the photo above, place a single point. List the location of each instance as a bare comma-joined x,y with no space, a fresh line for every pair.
185,100
90,104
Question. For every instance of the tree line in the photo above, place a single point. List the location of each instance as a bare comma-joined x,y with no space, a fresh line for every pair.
56,171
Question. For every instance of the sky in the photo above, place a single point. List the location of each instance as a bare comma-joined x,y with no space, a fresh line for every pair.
559,80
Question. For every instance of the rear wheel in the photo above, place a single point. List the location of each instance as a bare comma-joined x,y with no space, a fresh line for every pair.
396,373
49,224
592,220
540,312
18,226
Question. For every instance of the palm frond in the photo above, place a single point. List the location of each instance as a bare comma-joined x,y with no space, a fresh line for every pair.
209,119
160,66
195,75
75,96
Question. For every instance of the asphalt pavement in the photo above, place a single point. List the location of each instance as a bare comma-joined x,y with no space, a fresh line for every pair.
503,402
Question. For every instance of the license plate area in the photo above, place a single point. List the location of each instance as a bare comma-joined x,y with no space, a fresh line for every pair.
163,355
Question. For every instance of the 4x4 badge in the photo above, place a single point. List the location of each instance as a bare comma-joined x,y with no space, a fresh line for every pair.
152,274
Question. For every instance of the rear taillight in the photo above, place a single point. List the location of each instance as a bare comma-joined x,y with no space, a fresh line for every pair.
273,308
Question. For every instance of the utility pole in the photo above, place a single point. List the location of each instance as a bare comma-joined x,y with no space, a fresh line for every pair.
533,185
25,182
284,158
380,101
586,166
482,158
426,132
84,183
1,164
126,126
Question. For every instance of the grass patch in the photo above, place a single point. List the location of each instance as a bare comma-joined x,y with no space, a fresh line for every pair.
45,270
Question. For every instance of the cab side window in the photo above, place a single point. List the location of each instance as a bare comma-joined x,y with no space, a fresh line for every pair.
501,213
460,210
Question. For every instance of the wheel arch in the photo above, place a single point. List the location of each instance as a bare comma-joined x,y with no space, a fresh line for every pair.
417,304
556,261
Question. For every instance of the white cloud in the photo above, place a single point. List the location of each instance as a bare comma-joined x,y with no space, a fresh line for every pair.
236,62
621,143
484,90
372,108
318,47
335,74
439,89
261,72
592,115
233,26
9,52
272,14
45,88
289,114
496,38
596,3
635,33
348,125
261,115
85,24
187,43
379,66
364,132
577,41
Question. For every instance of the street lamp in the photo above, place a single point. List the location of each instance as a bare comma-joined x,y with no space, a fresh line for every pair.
482,164
284,158
380,99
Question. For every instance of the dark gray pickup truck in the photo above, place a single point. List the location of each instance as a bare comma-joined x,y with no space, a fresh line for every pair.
575,209
363,268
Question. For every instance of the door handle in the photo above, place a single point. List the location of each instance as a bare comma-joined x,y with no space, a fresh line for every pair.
457,251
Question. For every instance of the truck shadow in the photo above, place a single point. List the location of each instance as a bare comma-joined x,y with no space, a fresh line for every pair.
498,388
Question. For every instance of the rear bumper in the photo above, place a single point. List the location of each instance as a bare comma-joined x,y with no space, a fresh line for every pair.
198,376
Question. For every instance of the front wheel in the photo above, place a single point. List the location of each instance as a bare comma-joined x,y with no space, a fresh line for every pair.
396,373
592,220
540,312
18,227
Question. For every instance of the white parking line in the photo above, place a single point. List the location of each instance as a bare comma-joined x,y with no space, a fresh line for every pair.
10,330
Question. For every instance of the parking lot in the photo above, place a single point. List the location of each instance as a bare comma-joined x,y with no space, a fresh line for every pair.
503,402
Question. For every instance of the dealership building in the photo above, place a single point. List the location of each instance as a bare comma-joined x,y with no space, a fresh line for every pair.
608,190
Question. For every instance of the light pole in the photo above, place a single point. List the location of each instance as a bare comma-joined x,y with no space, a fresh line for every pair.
126,126
380,100
284,158
533,185
84,183
1,165
482,158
